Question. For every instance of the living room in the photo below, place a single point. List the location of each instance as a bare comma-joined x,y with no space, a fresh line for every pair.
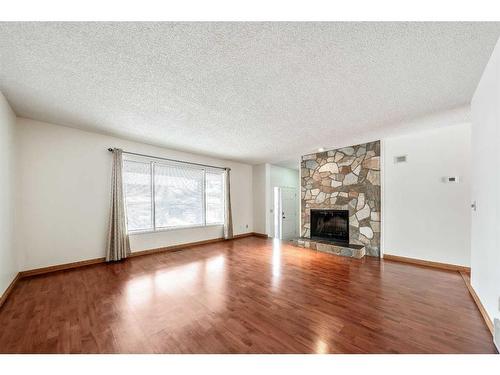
249,187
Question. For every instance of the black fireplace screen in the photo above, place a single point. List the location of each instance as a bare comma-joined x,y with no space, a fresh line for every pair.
330,225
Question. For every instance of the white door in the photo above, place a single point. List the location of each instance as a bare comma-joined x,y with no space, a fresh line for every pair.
289,214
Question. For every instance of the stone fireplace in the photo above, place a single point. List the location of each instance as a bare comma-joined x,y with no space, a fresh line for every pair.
348,180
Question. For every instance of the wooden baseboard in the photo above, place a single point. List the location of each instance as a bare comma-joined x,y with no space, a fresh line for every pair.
61,267
68,266
186,245
244,235
263,235
9,289
427,263
174,247
476,299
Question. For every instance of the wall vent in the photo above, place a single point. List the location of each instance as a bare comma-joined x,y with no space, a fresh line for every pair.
451,179
400,159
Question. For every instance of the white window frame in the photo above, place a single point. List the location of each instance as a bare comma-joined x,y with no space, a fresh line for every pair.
152,163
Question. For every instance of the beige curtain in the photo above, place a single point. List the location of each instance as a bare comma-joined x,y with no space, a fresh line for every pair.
228,222
118,246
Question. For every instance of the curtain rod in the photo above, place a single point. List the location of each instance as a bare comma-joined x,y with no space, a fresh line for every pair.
173,160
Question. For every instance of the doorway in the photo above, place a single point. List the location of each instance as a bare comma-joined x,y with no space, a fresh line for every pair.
285,213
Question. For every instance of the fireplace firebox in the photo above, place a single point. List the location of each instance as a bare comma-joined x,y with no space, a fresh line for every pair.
330,225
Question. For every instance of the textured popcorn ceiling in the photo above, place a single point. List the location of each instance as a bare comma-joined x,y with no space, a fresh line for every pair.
253,92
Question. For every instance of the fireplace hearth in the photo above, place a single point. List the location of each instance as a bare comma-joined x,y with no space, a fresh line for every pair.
330,225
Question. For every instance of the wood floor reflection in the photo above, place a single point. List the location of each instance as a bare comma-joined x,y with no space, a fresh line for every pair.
250,295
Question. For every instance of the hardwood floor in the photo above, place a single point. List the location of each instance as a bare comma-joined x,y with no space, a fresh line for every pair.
251,295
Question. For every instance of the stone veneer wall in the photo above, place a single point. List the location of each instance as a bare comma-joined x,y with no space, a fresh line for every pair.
345,179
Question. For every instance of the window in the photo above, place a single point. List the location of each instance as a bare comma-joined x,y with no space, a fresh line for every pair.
137,186
214,193
161,195
178,196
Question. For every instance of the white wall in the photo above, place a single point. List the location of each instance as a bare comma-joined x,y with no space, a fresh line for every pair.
64,184
425,218
260,186
485,256
8,257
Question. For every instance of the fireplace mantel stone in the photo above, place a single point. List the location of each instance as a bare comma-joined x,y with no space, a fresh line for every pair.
351,250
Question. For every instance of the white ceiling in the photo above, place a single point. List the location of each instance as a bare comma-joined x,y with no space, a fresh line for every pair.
251,92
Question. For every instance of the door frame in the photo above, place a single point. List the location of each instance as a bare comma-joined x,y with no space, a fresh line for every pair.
278,210
277,216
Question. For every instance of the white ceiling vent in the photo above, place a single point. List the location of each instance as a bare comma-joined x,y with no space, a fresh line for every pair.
400,159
